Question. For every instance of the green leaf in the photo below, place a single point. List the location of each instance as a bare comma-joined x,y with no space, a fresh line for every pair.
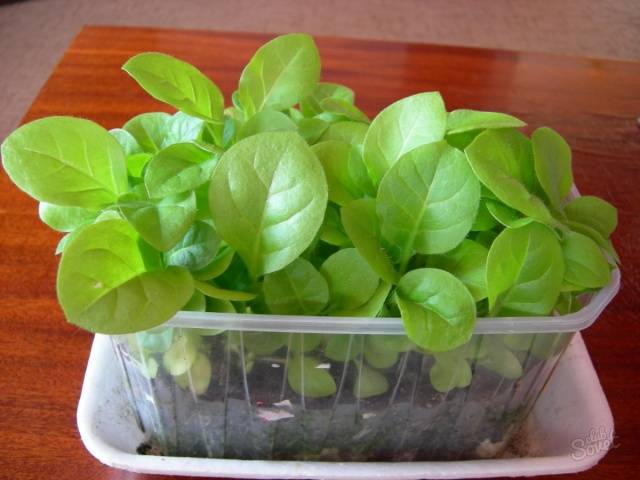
297,289
346,174
198,377
379,356
217,266
342,348
503,162
484,219
136,164
179,168
369,383
127,142
552,157
311,129
372,307
310,105
65,219
438,312
524,271
268,196
161,222
401,127
332,231
447,375
264,343
196,249
593,212
103,285
361,223
66,161
468,262
307,380
460,121
343,109
594,235
182,128
154,342
182,353
197,303
304,342
501,361
266,121
179,84
350,278
281,73
428,201
506,216
352,133
223,294
585,265
149,130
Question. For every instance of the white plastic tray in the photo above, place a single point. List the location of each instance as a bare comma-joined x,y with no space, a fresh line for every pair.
569,430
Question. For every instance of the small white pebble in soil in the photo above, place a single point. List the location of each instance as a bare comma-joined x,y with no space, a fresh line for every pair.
275,365
283,403
368,415
325,366
273,415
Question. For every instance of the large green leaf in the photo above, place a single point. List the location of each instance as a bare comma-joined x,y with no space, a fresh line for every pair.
438,312
268,196
593,212
161,222
66,161
103,284
552,157
179,168
361,224
281,73
65,219
401,127
296,289
503,161
350,278
428,201
179,84
524,271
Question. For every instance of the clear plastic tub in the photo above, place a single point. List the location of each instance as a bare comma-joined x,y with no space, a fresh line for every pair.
245,394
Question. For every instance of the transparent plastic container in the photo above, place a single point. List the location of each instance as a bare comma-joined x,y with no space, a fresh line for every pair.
237,399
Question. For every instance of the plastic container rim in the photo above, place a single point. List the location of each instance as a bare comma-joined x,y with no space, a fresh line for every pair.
393,326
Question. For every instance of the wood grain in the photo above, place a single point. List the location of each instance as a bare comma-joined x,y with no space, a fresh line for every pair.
593,103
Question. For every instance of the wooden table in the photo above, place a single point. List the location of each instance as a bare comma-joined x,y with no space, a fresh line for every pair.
593,103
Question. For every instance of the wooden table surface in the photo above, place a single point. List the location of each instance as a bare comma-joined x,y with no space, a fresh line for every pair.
593,103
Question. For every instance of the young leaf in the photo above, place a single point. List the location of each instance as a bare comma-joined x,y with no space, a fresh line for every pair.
552,157
280,74
342,348
369,383
343,109
401,127
179,84
136,164
264,343
371,308
223,294
447,375
503,162
332,231
468,262
304,342
127,142
311,129
65,219
361,223
266,121
217,266
594,213
346,174
182,353
268,196
296,289
484,219
525,269
162,222
428,201
182,128
501,361
149,130
438,312
594,235
506,216
103,285
310,105
459,121
66,161
198,377
585,265
352,133
196,249
350,278
307,380
178,168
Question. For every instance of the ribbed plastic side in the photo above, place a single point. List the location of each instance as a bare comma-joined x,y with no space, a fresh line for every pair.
249,409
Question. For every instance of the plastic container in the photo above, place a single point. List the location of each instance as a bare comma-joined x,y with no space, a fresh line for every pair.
465,404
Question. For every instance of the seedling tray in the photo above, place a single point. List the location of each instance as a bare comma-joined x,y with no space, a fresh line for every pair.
569,430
